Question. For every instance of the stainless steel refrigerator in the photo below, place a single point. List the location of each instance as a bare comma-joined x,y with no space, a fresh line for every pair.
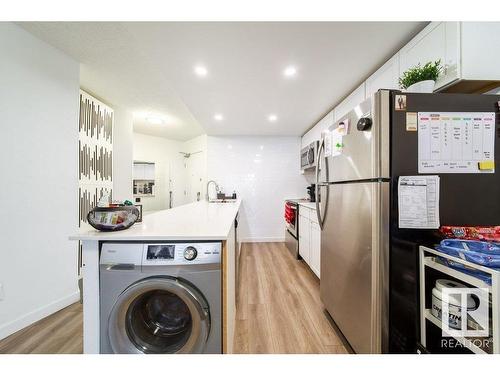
369,266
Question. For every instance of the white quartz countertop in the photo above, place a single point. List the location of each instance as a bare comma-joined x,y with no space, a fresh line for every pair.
303,202
308,204
194,221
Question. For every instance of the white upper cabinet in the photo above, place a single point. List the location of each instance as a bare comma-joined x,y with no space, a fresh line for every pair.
314,134
469,51
438,41
356,97
480,50
386,77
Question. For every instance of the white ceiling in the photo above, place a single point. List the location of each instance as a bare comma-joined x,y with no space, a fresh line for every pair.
148,67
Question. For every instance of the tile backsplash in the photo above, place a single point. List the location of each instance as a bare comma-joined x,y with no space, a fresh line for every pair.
264,171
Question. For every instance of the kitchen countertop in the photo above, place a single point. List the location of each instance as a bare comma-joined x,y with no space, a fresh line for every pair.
311,205
304,202
194,221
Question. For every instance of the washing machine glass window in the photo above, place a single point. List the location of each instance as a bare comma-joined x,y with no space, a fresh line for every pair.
159,315
158,322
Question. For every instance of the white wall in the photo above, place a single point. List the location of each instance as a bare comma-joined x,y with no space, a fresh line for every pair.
196,168
169,169
38,164
264,171
123,154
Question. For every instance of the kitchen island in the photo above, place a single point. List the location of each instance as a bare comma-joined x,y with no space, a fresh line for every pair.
191,222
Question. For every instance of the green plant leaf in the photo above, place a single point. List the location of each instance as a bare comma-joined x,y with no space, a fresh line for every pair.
430,71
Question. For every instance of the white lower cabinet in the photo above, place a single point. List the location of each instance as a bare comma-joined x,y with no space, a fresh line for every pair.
304,237
309,239
315,248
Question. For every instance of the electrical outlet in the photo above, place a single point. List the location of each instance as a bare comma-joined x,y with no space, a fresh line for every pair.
2,293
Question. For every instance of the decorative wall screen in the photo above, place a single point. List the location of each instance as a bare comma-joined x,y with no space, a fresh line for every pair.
95,158
95,154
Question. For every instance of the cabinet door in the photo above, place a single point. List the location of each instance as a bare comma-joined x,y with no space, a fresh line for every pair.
315,248
386,77
304,238
309,137
439,40
314,134
476,37
326,122
354,98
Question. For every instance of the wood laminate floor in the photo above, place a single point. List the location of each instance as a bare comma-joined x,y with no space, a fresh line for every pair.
279,308
59,333
278,311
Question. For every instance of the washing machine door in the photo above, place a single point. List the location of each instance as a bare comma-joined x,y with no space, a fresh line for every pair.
159,315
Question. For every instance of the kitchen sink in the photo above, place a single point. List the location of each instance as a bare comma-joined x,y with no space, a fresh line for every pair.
222,200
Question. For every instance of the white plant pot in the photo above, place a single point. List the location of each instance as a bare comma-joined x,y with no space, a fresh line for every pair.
422,86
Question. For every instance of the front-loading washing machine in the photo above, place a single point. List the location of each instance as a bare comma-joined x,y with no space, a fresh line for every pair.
159,298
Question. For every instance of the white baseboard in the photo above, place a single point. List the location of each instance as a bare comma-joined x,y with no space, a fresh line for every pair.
263,239
40,313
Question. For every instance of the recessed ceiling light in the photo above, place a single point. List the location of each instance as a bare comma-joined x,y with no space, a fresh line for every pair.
200,71
218,117
154,120
272,118
290,71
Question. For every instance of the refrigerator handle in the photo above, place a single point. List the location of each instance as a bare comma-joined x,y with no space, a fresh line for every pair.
318,211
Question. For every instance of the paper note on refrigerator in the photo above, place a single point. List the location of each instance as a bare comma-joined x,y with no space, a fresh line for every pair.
418,202
456,142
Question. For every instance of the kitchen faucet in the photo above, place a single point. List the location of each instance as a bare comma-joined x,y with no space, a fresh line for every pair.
216,188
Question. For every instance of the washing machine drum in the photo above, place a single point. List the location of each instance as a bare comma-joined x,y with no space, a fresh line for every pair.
159,316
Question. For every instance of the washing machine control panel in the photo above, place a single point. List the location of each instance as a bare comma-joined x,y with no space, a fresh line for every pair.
181,253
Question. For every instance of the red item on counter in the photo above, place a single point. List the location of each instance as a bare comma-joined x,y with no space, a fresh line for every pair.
472,233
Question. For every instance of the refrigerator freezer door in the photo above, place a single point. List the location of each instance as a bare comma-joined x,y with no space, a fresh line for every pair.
354,263
362,153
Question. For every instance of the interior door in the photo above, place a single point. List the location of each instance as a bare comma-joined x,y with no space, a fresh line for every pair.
177,181
194,168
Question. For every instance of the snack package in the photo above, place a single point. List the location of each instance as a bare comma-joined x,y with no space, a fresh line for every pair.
471,233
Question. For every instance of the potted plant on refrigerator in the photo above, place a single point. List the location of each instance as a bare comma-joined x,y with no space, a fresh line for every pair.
421,78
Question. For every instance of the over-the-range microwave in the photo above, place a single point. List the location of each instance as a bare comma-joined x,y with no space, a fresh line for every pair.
309,155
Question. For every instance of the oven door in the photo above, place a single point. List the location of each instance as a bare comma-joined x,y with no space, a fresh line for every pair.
292,244
292,226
